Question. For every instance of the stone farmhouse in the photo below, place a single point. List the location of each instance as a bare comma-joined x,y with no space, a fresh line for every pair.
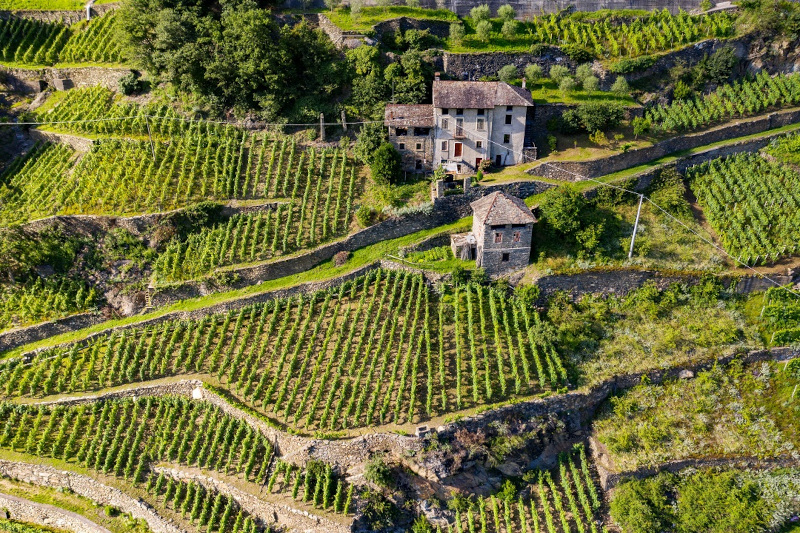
501,236
469,122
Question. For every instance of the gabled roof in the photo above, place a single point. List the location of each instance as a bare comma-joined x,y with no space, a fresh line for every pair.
501,208
408,116
478,94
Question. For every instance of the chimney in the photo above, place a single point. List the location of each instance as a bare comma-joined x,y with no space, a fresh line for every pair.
523,83
437,76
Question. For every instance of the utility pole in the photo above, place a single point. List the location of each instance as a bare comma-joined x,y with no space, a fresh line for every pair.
635,226
322,127
152,148
344,120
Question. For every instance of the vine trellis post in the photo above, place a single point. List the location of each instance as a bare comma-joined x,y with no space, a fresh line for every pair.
635,226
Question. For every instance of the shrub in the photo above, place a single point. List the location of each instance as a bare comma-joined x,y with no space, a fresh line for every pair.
567,85
641,125
641,506
682,91
480,13
506,12
340,258
111,511
562,207
591,117
583,71
378,472
508,73
558,73
533,72
356,6
457,32
386,164
577,53
620,87
539,49
628,65
368,141
412,3
591,83
510,28
552,143
484,30
365,216
130,83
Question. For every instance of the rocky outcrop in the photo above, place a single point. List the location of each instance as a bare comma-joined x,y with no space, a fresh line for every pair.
87,487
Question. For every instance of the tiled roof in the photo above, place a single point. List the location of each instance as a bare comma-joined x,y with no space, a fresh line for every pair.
408,116
478,94
501,208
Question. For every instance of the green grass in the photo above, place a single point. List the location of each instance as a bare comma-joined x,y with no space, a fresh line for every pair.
47,5
324,271
546,91
372,15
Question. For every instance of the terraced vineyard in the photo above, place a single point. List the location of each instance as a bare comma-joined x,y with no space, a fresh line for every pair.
564,501
32,42
740,99
752,204
121,177
42,299
381,349
781,313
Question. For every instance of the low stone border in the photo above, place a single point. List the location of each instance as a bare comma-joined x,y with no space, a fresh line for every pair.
285,515
88,487
48,515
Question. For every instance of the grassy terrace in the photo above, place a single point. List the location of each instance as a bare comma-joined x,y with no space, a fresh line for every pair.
372,15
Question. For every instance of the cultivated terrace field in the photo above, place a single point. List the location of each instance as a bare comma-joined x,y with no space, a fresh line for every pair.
229,305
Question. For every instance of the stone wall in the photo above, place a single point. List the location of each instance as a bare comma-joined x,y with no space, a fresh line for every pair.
438,28
80,144
474,66
338,36
28,80
21,336
47,515
64,17
592,168
87,487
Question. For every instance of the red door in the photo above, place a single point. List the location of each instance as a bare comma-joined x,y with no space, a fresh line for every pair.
456,149
478,162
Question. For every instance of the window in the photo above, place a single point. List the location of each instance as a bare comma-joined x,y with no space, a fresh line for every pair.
481,124
458,169
401,132
506,138
445,124
402,146
459,127
509,108
479,144
480,112
444,162
498,238
518,225
505,258
459,111
508,119
517,237
445,111
498,226
444,146
419,146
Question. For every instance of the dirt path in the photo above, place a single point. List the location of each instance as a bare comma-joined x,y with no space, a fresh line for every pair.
48,515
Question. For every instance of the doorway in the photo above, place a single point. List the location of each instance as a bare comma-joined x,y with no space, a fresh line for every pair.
457,149
498,160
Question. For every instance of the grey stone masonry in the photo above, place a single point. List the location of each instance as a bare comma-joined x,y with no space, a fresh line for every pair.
503,229
24,510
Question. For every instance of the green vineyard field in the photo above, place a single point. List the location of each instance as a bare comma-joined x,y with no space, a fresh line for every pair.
382,349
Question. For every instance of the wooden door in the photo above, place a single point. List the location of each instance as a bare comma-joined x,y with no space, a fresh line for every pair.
456,149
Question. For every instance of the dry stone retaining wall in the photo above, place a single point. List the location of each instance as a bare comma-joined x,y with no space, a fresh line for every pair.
87,487
65,17
285,515
81,144
573,170
48,515
27,81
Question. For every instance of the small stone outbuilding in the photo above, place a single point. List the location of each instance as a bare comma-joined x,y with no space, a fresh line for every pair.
501,236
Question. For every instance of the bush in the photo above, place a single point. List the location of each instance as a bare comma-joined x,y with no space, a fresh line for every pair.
340,258
510,28
552,142
365,216
682,91
480,13
506,12
620,87
457,32
641,125
111,511
484,30
386,164
591,117
508,73
577,53
583,71
641,506
130,83
561,209
539,49
412,3
591,83
558,73
533,72
567,85
378,472
369,139
628,65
